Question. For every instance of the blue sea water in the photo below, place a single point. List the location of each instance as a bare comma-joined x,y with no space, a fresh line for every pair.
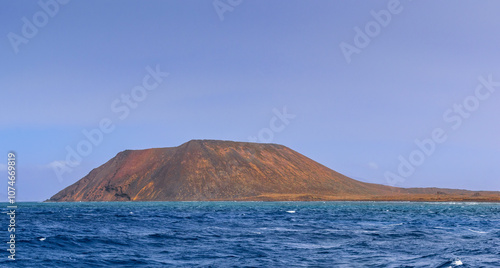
254,234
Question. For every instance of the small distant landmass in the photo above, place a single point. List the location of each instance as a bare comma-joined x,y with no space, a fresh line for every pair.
213,170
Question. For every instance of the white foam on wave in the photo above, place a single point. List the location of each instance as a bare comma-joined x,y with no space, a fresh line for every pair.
280,229
369,232
479,232
445,228
313,246
457,263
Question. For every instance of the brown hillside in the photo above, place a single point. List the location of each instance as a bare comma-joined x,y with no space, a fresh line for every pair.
225,170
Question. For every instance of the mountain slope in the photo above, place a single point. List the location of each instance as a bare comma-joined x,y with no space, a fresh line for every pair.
225,170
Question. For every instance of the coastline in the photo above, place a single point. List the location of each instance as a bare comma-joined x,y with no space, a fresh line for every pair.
316,198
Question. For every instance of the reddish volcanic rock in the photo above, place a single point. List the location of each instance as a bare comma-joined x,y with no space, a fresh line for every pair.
225,170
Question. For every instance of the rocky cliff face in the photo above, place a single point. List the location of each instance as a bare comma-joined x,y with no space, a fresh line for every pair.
225,170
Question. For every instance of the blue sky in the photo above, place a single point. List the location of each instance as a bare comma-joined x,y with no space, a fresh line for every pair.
228,78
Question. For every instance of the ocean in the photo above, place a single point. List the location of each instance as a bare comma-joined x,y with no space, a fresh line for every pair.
254,234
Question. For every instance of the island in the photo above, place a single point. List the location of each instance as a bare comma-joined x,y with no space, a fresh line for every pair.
214,170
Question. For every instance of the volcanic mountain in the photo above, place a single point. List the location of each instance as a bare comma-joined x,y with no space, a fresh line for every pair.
202,170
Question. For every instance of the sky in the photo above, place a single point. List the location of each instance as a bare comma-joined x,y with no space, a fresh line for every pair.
401,93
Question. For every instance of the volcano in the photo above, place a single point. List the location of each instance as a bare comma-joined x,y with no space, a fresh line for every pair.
211,170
